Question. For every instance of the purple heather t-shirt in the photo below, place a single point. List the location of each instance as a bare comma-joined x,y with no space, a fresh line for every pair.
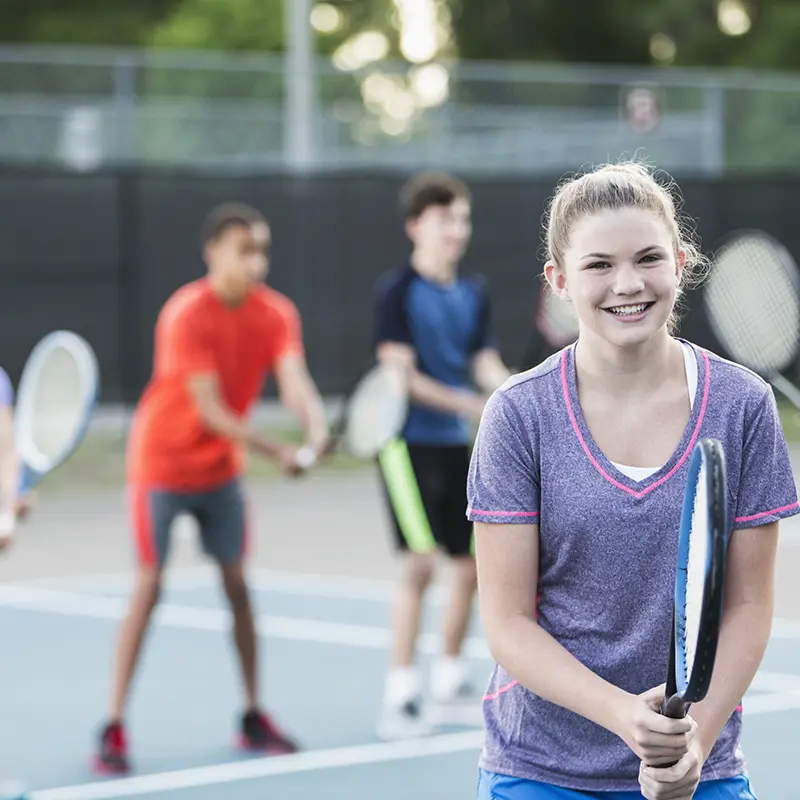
608,549
6,389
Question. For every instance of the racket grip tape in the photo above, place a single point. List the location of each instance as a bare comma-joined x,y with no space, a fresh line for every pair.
674,707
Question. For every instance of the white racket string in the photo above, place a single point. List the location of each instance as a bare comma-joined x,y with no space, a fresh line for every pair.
555,319
696,570
57,393
376,412
753,306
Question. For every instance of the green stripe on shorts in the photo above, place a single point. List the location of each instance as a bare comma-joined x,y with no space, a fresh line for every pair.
398,472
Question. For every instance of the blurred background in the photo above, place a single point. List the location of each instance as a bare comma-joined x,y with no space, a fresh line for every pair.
122,123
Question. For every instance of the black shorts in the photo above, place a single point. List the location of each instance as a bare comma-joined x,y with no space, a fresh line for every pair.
220,515
426,491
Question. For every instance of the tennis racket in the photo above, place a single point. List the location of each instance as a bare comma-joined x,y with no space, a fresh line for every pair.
699,579
555,319
57,394
752,302
372,414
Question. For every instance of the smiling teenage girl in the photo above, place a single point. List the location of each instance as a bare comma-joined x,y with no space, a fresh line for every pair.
575,488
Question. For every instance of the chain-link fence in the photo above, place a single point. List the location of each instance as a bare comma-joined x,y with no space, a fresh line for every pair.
85,108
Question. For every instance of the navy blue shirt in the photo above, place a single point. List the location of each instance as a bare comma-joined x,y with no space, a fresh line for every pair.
446,325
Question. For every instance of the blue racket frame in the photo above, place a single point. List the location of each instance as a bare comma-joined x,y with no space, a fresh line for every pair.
689,683
32,474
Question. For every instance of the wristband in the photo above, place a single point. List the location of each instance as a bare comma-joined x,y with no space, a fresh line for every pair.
8,521
306,457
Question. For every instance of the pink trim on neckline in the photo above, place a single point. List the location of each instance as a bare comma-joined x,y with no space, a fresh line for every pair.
596,465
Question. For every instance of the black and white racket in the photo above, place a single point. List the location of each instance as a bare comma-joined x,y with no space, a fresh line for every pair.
753,306
373,413
699,580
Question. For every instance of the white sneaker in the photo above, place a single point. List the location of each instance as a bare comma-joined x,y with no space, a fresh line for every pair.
403,722
456,701
450,681
402,716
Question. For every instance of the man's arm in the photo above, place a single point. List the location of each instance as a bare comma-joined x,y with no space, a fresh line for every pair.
394,345
300,396
9,461
10,507
488,370
427,391
217,417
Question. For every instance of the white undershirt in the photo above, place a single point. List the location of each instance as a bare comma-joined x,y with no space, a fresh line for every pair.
690,362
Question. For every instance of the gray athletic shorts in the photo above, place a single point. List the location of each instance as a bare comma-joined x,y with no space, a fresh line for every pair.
219,513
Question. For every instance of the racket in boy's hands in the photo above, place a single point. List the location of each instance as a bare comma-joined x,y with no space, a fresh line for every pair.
753,306
373,413
57,394
699,580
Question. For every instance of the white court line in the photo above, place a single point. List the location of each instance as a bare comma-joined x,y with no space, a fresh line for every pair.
180,578
776,682
291,583
263,580
315,760
788,629
212,619
235,771
291,628
771,703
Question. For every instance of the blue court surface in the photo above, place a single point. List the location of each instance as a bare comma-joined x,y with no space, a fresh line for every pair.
324,650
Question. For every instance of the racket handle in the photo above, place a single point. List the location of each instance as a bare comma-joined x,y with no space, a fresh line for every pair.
674,707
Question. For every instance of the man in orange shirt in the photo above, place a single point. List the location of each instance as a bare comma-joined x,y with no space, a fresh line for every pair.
217,339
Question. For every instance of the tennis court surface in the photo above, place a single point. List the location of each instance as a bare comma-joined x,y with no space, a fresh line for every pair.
322,576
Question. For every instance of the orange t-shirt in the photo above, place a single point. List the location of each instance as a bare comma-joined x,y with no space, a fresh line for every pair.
169,446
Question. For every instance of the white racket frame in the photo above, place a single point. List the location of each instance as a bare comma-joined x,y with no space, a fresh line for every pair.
779,381
377,375
84,356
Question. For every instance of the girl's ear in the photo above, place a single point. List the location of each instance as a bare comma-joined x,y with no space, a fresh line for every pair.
556,279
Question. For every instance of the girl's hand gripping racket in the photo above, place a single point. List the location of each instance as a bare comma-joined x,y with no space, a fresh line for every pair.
699,580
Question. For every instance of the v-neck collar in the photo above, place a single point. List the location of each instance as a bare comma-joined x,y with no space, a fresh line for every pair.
598,459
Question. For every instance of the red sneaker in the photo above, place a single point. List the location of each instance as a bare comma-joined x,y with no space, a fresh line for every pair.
259,733
112,752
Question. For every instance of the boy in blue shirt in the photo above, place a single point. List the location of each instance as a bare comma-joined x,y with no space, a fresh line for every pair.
435,325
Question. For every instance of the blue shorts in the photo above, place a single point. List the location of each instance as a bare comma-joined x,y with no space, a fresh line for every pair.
492,786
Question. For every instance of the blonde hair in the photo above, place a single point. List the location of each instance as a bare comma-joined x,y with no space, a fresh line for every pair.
628,184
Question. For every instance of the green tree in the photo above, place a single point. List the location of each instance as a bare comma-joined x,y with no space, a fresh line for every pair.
258,25
619,32
114,22
230,25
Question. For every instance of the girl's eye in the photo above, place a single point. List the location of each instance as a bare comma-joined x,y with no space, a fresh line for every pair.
651,258
598,265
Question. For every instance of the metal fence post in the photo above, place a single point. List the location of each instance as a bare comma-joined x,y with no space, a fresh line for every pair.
299,83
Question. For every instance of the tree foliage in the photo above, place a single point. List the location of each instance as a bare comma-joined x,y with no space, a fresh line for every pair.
583,31
95,22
